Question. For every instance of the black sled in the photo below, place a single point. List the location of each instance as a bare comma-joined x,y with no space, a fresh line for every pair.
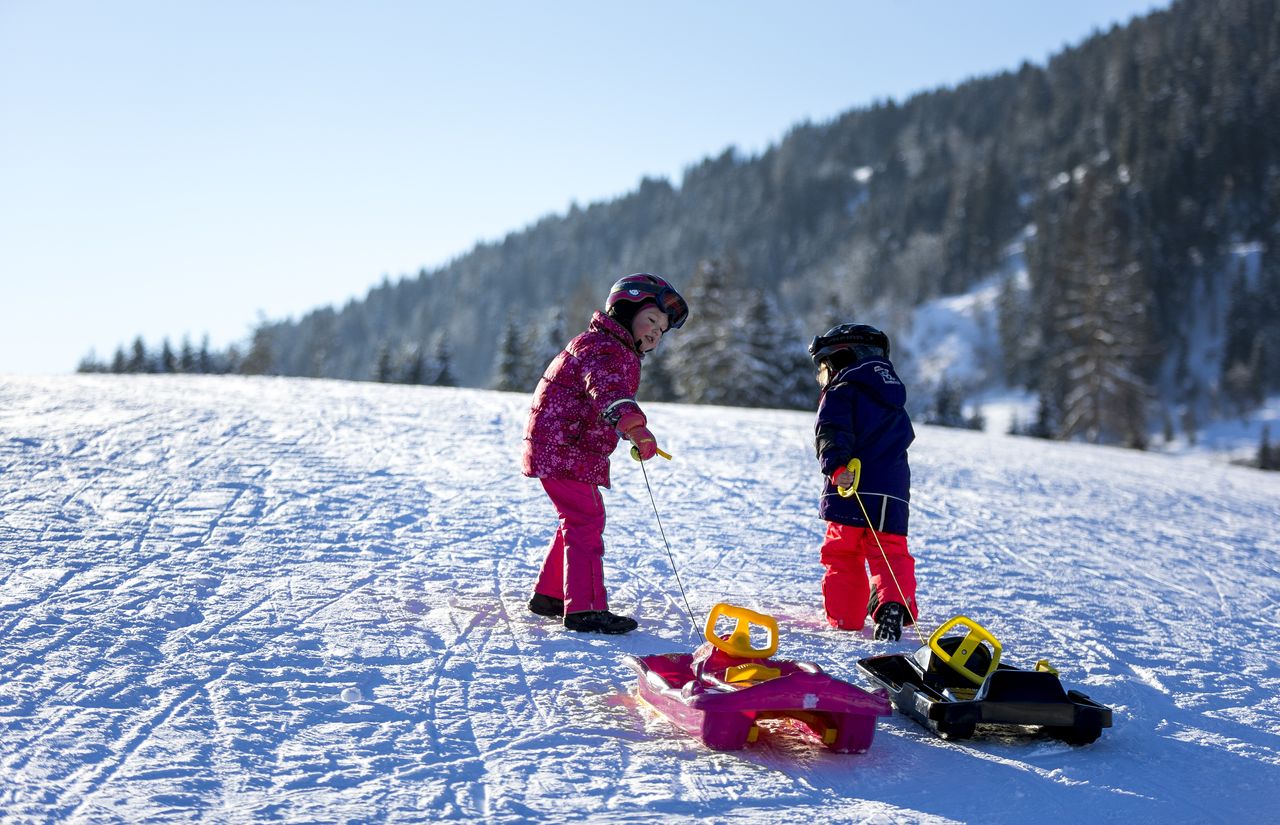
953,684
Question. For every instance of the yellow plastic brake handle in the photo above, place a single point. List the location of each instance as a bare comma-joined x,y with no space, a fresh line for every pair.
739,644
968,646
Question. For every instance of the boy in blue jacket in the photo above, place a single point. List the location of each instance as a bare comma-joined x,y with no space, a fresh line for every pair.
861,415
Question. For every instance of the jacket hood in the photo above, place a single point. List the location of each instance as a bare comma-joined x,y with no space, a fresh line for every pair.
601,322
876,376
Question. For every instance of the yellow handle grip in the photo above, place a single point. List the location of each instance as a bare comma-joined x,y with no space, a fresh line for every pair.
959,660
635,453
854,466
739,642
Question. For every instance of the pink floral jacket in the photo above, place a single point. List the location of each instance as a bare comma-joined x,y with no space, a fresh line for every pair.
582,394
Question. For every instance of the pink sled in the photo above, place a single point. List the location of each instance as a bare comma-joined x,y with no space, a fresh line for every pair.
719,695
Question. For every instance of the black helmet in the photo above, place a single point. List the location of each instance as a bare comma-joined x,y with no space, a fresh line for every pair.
847,337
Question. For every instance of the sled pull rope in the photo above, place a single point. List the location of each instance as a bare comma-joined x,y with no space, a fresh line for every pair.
876,535
689,610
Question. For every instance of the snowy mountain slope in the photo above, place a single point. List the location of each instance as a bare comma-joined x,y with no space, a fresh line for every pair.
254,599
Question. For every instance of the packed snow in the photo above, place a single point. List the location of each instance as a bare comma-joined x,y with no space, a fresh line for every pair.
250,599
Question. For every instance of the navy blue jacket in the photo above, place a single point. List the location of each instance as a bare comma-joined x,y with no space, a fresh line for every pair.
861,415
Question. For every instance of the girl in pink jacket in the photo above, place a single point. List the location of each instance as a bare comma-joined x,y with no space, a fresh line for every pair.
584,402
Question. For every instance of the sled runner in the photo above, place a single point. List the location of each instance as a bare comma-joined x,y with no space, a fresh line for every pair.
720,691
955,683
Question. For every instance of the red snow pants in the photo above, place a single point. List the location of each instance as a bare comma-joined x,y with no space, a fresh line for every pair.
847,594
574,567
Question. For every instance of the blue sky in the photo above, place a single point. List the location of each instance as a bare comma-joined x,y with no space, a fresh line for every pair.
185,168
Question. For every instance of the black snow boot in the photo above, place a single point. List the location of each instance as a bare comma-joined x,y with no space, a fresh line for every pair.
889,622
546,605
599,621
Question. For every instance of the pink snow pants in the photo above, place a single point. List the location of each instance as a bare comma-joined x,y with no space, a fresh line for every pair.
847,552
574,567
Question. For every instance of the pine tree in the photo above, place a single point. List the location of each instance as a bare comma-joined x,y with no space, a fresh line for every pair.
547,342
232,362
187,356
706,349
947,409
204,361
91,364
753,372
261,358
412,366
168,362
509,371
140,361
797,375
655,381
1242,380
443,364
322,346
1045,424
382,372
1101,323
1017,331
1268,456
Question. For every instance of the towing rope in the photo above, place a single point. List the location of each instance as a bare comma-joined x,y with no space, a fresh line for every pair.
692,622
875,535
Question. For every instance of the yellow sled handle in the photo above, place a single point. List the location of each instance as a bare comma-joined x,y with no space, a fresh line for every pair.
854,466
972,641
738,644
635,453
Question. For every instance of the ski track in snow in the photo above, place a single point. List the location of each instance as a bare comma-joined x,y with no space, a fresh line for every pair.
194,570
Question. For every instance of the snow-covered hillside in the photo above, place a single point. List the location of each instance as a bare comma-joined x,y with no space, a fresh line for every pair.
954,341
247,600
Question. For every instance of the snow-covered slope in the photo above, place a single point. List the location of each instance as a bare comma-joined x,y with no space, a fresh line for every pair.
258,600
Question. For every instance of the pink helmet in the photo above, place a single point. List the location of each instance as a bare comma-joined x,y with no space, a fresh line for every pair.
643,287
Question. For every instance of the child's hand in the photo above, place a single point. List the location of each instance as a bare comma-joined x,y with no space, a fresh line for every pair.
645,444
632,427
842,478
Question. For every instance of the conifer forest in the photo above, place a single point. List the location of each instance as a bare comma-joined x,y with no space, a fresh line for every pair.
1124,196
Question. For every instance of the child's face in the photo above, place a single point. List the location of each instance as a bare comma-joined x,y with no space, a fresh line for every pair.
647,328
